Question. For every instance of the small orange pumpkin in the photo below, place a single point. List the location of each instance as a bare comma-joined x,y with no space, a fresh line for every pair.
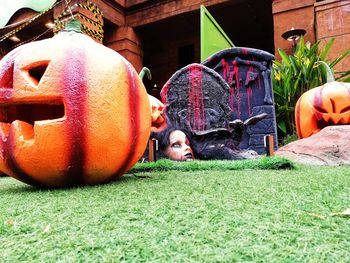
322,106
72,112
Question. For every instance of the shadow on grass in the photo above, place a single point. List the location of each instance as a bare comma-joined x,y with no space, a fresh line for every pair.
137,172
20,187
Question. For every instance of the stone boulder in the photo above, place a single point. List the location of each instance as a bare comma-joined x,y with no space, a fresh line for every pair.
331,146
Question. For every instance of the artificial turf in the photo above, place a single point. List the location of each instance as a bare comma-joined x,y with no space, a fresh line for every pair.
182,216
222,165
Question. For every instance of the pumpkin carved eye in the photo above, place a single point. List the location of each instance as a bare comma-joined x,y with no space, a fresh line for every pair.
320,109
333,104
36,71
346,109
324,110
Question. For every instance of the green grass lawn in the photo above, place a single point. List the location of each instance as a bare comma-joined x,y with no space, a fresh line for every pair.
182,216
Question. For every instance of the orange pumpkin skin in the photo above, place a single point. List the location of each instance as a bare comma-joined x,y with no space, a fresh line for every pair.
72,112
157,114
322,106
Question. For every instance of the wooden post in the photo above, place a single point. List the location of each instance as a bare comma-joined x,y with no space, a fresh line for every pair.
269,145
152,150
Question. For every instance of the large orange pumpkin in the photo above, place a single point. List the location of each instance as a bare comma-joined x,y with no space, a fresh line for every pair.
72,112
322,106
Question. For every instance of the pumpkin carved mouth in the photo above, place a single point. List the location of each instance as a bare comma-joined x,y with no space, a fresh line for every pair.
324,123
27,114
31,112
335,116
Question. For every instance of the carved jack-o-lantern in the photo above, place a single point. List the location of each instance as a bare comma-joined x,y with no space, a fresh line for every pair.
322,106
72,112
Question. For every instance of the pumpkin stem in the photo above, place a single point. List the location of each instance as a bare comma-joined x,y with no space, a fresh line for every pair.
144,71
73,25
330,75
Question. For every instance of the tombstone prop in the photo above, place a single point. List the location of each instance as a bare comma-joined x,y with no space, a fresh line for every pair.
247,72
197,100
223,143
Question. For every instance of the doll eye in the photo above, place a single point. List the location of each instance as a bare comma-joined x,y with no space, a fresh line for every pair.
176,145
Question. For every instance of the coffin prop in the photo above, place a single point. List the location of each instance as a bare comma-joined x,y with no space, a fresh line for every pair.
247,72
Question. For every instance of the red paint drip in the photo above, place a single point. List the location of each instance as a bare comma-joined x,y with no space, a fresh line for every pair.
190,102
225,68
164,96
196,114
249,90
236,70
232,93
252,58
201,93
245,51
227,72
197,110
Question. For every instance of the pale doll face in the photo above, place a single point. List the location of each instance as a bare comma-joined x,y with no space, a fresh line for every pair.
178,148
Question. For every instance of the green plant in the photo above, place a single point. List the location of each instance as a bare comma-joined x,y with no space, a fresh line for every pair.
290,138
298,73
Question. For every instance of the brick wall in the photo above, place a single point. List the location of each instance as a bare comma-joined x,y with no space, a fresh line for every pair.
333,21
322,20
292,13
125,40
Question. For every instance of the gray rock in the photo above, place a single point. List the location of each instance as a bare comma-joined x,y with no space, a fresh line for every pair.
331,146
